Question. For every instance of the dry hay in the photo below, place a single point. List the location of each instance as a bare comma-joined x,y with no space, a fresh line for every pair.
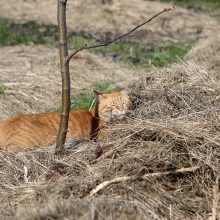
115,17
174,124
208,51
33,81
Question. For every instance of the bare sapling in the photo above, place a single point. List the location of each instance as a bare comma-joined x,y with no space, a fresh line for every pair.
64,68
64,65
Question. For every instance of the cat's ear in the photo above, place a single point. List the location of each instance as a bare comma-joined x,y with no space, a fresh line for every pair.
97,94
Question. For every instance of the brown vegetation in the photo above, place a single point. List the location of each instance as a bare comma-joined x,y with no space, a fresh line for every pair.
104,21
174,124
34,83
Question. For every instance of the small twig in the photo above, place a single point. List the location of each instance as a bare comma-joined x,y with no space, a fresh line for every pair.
68,58
92,104
215,199
170,210
146,176
25,174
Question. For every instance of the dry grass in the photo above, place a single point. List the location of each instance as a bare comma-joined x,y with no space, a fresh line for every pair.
174,124
116,17
210,58
32,78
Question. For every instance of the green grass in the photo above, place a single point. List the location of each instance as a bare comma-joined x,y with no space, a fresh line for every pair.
26,33
84,100
3,88
128,53
157,55
119,51
80,101
163,55
208,6
106,86
77,40
134,54
193,1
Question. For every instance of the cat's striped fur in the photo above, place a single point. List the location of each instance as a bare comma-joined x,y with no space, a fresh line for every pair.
40,130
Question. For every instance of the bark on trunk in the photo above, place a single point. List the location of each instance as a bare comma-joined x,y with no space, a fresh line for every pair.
64,68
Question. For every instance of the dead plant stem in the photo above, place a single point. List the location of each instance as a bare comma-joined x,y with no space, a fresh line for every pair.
144,177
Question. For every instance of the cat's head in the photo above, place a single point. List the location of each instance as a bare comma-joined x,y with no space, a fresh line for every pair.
113,105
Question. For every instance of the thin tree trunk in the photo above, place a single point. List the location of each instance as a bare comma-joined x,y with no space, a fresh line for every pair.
64,68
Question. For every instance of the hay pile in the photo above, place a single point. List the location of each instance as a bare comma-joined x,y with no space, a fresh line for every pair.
174,124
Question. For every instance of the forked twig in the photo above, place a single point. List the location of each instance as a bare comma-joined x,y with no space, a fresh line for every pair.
69,57
146,176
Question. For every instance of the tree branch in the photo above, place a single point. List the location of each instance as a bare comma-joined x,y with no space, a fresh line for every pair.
144,177
70,56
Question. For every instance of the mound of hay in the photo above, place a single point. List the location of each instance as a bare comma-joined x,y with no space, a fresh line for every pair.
206,53
174,124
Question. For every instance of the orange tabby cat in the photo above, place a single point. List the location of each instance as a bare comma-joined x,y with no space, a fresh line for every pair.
40,130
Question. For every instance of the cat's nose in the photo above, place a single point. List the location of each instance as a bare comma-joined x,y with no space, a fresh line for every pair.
121,110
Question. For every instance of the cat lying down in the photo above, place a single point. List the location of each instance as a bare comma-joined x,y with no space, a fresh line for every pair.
40,130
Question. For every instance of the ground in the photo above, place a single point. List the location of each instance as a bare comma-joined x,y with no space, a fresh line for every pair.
170,68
